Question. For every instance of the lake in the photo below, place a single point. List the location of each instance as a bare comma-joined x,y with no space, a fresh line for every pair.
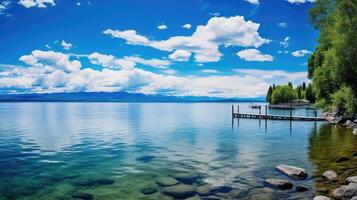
114,150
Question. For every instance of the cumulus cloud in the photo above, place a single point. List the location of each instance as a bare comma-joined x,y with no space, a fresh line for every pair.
254,55
66,45
255,2
300,1
285,42
37,3
301,53
48,72
180,55
204,43
186,26
127,62
51,60
162,27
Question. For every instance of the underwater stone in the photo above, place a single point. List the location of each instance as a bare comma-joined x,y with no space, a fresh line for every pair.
293,172
278,183
262,197
354,131
145,159
204,190
186,178
82,195
88,183
301,188
104,182
148,190
222,189
180,191
166,181
330,175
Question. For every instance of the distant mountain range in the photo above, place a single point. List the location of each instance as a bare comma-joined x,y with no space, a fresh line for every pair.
112,97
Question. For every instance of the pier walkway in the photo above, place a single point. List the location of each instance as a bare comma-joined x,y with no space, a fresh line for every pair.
275,117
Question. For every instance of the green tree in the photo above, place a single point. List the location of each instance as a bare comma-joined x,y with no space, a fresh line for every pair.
283,94
333,65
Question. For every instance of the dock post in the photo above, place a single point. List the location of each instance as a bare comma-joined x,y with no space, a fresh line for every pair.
266,110
260,110
232,111
315,111
238,109
291,112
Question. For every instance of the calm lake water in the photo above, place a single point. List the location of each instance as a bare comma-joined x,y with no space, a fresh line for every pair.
113,150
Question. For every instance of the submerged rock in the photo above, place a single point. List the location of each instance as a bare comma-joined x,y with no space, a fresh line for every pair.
320,197
88,183
148,190
82,195
330,175
166,181
262,197
354,132
222,189
186,178
293,172
278,183
204,190
145,159
179,191
301,188
342,159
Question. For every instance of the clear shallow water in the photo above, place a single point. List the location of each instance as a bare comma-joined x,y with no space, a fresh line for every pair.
48,149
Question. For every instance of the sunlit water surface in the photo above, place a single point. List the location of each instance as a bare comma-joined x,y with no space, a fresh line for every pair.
46,149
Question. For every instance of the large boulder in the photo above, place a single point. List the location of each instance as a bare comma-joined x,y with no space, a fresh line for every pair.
179,191
345,191
348,123
166,181
278,183
352,179
330,175
293,172
320,197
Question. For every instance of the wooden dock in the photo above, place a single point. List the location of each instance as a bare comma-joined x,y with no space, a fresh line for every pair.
275,117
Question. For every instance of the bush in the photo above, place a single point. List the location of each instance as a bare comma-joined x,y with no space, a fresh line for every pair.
345,101
283,94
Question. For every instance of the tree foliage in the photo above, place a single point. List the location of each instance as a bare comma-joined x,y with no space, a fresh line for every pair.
283,94
333,65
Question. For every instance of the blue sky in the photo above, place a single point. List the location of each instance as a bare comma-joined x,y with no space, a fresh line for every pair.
217,48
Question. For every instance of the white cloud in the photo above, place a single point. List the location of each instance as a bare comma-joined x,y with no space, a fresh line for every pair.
301,53
169,71
285,51
205,41
254,55
210,71
283,24
300,1
51,60
4,5
186,26
162,27
285,42
180,55
255,2
37,3
78,3
66,45
47,73
127,62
